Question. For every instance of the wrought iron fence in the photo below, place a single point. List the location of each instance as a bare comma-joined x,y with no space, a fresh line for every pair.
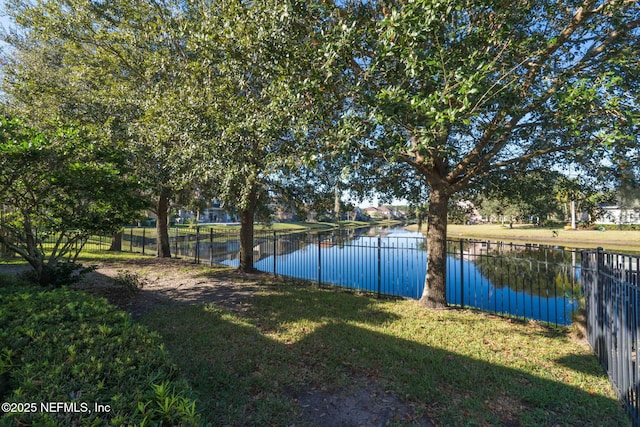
524,281
612,294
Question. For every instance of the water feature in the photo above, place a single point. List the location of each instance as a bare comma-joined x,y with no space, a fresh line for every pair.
522,281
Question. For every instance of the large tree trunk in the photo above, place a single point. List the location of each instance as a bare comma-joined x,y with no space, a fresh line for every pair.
247,216
116,242
434,294
246,240
162,229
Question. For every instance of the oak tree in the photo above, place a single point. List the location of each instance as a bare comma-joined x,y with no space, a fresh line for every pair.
463,90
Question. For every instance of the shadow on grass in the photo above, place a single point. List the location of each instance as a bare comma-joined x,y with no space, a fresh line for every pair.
324,358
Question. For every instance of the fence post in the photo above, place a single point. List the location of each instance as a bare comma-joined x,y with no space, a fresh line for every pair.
319,259
144,235
176,245
131,240
211,247
197,250
600,302
461,273
599,260
379,264
274,253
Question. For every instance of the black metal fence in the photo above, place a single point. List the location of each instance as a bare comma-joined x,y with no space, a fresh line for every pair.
612,284
523,281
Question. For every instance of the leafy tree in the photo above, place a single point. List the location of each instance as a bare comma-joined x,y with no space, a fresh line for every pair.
577,196
59,190
263,55
628,191
462,90
119,66
208,93
529,195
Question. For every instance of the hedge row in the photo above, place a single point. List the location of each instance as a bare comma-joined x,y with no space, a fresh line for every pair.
68,358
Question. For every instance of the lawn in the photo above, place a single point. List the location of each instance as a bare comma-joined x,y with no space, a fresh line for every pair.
610,239
293,348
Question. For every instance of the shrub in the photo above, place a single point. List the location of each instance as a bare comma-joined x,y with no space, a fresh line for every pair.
130,282
59,274
65,346
10,280
624,227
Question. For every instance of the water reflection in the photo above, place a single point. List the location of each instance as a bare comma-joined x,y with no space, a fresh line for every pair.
526,281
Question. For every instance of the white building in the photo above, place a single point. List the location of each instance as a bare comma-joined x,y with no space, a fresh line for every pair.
213,213
619,215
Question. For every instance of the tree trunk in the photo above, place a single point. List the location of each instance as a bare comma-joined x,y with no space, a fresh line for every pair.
246,240
434,294
162,229
116,242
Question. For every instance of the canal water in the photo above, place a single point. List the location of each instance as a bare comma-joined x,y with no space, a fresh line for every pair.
521,281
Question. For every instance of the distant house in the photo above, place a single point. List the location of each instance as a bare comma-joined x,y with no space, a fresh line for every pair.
213,213
283,212
384,212
372,212
472,216
614,214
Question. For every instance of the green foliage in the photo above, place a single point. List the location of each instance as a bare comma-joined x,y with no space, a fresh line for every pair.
65,346
57,188
209,100
63,273
130,282
8,280
167,406
603,227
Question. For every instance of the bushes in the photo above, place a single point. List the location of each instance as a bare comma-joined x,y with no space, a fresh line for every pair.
59,274
624,227
66,346
132,283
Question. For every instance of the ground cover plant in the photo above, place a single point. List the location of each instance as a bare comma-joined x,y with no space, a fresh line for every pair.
63,345
298,354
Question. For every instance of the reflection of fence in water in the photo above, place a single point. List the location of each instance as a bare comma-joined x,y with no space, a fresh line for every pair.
536,269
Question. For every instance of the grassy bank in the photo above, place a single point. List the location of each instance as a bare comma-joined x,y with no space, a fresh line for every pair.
610,239
294,347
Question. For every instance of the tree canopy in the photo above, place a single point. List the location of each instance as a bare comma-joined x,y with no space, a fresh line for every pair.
120,66
202,94
462,91
56,190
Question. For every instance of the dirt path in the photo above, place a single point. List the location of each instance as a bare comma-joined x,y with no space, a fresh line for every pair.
171,281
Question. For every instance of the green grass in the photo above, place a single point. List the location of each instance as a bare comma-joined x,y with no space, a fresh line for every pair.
609,239
460,367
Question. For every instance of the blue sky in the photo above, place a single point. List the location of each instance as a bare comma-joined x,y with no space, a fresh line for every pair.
4,24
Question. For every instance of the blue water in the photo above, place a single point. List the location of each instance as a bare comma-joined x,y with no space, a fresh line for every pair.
402,270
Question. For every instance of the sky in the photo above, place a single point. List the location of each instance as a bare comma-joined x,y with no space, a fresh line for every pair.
5,23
